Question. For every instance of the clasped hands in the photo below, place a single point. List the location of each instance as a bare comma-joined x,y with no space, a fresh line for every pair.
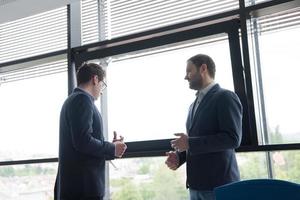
180,144
120,146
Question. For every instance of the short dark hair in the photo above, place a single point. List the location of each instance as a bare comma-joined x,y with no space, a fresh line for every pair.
200,59
87,70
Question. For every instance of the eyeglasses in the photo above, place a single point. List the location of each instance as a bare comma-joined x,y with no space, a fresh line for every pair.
103,85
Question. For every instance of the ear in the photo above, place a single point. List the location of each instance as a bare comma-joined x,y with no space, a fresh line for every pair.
95,80
203,68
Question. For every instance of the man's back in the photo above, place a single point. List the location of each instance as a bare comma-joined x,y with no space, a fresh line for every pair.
82,149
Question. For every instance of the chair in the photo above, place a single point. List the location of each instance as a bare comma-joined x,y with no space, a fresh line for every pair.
256,189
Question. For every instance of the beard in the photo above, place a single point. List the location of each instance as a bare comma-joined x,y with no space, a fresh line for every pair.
196,83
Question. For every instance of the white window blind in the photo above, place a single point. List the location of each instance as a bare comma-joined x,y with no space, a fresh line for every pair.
279,21
253,2
34,71
89,21
35,35
123,17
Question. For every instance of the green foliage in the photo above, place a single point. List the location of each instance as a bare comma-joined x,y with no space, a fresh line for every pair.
129,191
119,182
168,185
27,170
7,171
162,184
276,136
285,164
147,191
144,169
289,170
253,165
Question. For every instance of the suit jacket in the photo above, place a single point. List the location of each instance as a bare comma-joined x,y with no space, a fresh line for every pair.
214,132
82,149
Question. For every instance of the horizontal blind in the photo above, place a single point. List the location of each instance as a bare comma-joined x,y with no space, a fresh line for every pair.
279,21
89,21
34,71
253,2
35,35
171,47
123,17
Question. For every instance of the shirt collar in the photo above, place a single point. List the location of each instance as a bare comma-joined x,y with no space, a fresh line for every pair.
85,92
205,90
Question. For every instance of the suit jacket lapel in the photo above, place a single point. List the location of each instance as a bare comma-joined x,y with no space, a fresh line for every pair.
204,101
190,117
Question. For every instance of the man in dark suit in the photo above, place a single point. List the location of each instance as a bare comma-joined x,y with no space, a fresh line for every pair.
214,130
82,149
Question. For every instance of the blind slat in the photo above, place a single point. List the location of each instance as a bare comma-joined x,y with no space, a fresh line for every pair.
30,36
286,19
127,17
34,71
89,21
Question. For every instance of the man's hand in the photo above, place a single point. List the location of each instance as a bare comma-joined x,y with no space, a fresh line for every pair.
180,144
172,160
115,139
120,148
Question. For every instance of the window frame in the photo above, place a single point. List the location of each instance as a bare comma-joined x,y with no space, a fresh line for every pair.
143,40
127,44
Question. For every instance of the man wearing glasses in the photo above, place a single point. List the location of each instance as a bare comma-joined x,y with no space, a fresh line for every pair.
82,149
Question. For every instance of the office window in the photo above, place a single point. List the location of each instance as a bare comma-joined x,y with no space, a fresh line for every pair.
146,178
252,165
147,94
286,165
34,35
30,104
32,181
276,42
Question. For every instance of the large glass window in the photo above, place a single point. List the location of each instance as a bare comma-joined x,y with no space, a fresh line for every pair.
147,97
146,178
277,69
283,165
286,165
32,182
147,94
252,165
30,105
